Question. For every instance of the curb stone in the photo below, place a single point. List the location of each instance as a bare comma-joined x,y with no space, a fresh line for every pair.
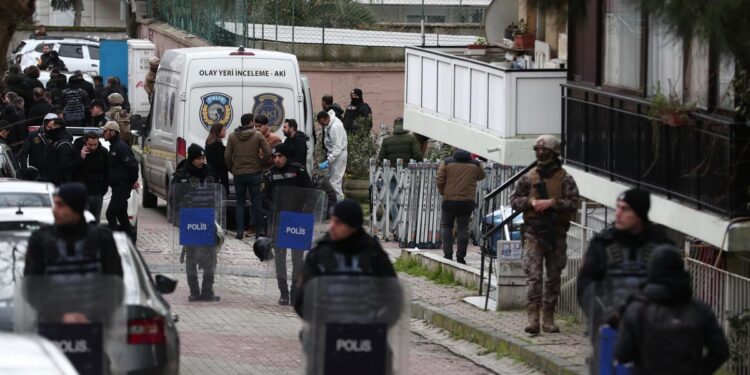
494,340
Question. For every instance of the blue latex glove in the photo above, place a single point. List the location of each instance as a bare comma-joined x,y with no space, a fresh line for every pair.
324,165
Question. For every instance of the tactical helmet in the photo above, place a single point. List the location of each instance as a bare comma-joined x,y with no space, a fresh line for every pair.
549,142
262,248
115,99
154,61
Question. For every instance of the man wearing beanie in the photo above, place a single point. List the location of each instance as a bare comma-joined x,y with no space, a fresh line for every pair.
664,330
285,173
548,197
616,261
196,257
345,250
357,110
87,248
123,178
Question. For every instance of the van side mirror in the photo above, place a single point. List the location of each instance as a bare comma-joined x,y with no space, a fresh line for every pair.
136,123
165,285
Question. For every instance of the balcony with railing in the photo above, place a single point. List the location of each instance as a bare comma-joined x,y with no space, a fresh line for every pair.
704,165
477,104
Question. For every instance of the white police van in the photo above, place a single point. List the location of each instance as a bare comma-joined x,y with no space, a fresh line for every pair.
198,87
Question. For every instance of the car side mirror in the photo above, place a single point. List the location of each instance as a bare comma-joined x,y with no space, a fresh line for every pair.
136,123
165,284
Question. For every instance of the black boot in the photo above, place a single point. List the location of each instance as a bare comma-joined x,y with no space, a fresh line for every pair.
208,289
195,292
283,291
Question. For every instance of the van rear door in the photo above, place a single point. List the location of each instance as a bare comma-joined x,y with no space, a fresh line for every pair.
215,97
271,88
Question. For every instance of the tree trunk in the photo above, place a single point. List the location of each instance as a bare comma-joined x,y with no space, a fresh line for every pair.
77,10
12,12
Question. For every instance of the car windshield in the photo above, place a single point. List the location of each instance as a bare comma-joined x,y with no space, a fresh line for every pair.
24,200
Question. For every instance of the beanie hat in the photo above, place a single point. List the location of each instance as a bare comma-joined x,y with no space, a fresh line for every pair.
74,194
665,262
349,212
280,149
194,152
639,200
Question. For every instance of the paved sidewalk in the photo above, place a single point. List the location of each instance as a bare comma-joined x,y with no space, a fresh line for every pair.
568,349
247,332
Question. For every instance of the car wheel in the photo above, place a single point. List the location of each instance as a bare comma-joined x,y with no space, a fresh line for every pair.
149,200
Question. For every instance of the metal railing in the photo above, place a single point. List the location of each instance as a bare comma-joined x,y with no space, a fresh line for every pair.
578,242
406,205
729,297
702,164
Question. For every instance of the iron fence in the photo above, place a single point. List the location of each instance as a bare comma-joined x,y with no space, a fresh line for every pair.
578,240
729,297
335,30
701,164
406,205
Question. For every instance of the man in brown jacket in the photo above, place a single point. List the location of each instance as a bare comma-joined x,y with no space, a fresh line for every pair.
243,159
457,179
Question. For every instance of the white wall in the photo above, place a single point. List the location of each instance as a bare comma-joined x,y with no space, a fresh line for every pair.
98,13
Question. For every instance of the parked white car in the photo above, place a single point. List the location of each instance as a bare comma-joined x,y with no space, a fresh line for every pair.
26,354
77,53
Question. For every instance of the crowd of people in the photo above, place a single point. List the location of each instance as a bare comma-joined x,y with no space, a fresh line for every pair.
36,122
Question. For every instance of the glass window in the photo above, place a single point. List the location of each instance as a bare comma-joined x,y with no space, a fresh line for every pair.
94,52
725,96
40,47
71,50
698,74
15,200
665,59
622,45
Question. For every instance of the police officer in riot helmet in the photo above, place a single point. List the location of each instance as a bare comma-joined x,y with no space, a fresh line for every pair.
195,169
345,250
285,173
615,264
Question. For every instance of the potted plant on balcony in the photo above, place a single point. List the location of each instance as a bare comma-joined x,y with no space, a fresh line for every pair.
522,38
669,108
478,48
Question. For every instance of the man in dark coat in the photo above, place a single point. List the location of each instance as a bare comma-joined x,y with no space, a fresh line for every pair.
123,178
91,167
39,108
285,173
664,330
615,263
296,142
357,110
345,250
60,153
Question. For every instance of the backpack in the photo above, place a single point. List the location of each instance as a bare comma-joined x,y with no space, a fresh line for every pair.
676,337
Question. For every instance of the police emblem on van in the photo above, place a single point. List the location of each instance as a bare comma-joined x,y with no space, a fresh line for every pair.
271,106
216,108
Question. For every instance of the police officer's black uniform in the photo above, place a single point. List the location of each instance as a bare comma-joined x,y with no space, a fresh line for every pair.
295,175
203,257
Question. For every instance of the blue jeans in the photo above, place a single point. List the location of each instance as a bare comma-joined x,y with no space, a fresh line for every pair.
242,183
